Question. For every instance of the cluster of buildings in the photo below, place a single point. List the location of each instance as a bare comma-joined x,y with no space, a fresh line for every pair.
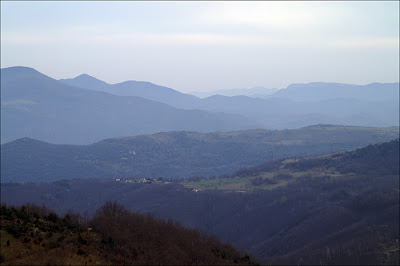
149,180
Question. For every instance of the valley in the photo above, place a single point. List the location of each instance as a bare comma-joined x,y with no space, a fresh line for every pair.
267,210
319,186
199,133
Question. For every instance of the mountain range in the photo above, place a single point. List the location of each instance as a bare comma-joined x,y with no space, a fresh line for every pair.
375,104
84,109
255,92
303,191
37,106
317,91
135,88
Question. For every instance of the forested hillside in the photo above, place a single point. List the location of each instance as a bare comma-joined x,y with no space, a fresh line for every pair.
178,154
33,235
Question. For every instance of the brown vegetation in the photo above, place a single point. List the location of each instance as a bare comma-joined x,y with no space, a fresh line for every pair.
35,235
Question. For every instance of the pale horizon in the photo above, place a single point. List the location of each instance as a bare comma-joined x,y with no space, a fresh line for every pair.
205,46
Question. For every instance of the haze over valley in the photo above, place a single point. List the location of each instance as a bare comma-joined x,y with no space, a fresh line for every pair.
199,133
155,150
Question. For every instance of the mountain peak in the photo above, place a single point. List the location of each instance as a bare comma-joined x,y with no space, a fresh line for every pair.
86,81
84,76
21,70
316,85
25,141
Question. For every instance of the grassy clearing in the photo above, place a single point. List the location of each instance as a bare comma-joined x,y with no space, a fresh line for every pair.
280,174
220,184
263,180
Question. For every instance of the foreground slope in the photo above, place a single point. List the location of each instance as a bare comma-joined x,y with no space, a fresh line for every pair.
33,235
37,106
177,154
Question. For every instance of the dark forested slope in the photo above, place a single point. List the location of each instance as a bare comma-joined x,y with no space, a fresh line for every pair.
177,154
355,219
381,158
33,235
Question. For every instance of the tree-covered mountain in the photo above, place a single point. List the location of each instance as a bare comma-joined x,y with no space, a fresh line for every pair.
32,235
37,106
177,154
86,81
339,208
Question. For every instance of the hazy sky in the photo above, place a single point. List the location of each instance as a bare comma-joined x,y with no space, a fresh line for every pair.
205,45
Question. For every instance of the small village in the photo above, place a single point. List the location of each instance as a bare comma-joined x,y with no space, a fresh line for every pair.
150,180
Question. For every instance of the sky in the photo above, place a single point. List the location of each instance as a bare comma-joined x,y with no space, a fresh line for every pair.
203,46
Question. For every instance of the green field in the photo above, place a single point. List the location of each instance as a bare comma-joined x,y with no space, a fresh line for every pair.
282,174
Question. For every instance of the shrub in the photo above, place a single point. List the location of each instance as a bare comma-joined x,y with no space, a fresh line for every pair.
52,217
14,231
81,240
81,252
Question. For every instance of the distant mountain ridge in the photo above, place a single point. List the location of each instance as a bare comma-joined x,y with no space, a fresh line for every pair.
375,104
87,82
255,92
37,106
312,91
315,91
143,89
